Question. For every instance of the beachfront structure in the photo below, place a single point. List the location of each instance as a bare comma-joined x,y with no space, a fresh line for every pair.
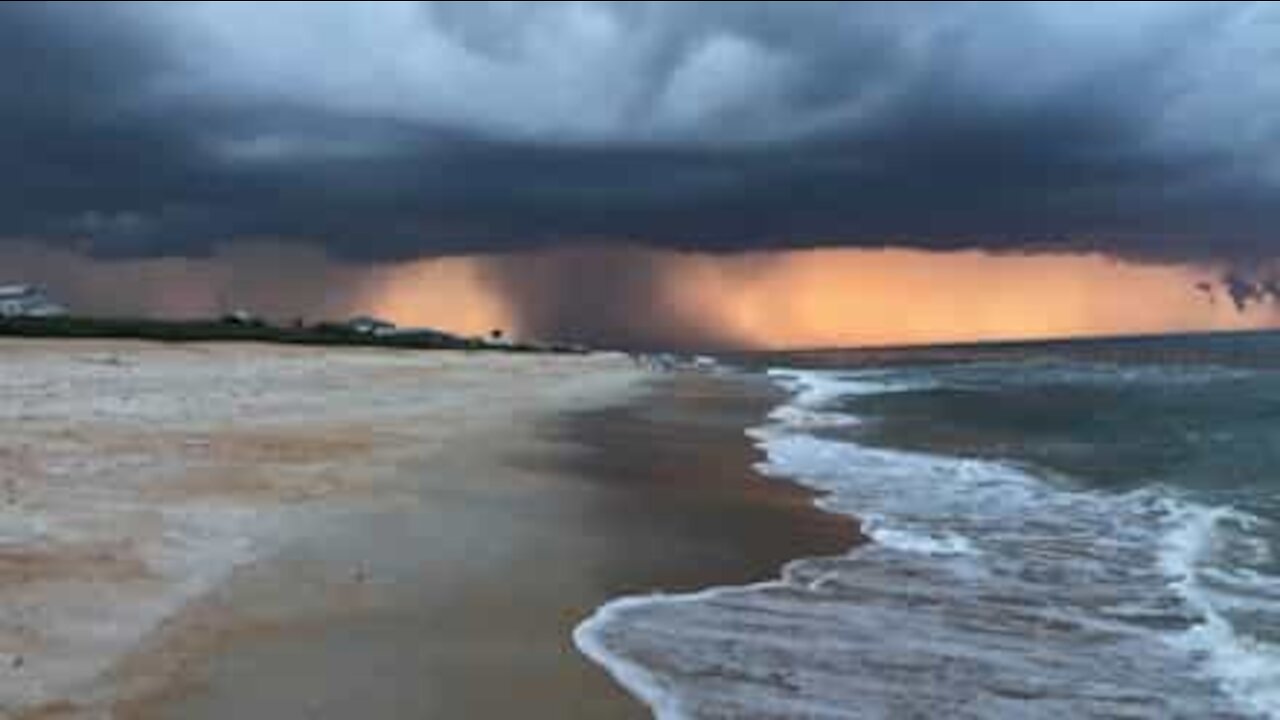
243,317
28,301
371,325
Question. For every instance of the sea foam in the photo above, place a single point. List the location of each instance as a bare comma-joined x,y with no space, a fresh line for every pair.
1249,670
986,591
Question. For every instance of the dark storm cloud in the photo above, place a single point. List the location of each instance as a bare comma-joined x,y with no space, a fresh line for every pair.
397,130
1246,286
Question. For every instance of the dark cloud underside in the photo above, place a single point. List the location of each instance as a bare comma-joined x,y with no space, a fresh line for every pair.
389,131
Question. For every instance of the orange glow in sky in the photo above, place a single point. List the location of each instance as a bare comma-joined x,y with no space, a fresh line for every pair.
847,297
448,293
809,298
858,297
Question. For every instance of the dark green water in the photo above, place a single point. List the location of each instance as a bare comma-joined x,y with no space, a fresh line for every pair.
1195,420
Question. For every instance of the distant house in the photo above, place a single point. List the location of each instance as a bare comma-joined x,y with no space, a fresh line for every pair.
28,301
370,325
243,317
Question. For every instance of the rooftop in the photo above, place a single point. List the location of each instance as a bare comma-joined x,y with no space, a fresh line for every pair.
19,290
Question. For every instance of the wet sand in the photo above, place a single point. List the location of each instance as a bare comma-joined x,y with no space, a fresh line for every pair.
470,598
678,494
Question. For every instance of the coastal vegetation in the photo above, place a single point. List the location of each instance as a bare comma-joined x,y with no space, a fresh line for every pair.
239,329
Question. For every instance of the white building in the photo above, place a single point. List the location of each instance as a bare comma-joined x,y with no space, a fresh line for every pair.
28,301
371,325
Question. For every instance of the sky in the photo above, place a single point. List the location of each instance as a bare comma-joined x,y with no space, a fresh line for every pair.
746,174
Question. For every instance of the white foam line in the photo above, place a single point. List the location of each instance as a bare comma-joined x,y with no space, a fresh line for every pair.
810,390
1248,671
1250,674
635,678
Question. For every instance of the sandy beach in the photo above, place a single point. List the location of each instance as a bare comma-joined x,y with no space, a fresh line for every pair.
261,531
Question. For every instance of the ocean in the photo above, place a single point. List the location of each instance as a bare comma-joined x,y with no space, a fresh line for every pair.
1083,529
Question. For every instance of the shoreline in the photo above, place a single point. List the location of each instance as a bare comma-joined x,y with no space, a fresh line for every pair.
978,566
597,525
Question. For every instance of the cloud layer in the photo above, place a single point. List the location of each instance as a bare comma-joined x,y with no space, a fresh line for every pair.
394,130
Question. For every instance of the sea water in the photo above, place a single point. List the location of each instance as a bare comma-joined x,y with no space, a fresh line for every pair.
1070,530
